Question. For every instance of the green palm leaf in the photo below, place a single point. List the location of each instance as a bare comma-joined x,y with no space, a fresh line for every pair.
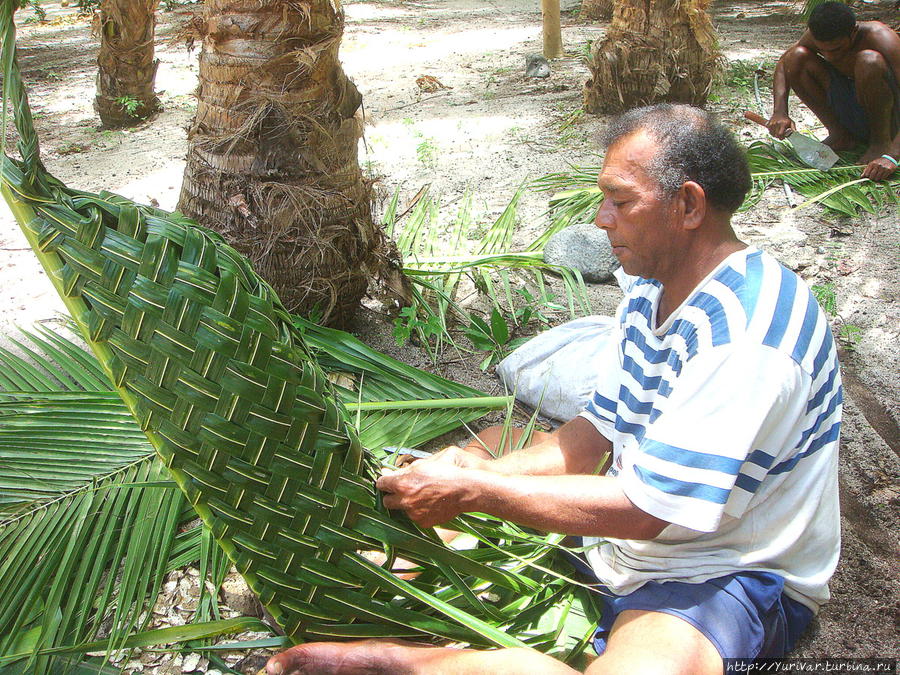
380,378
64,437
576,197
226,390
436,258
839,189
77,549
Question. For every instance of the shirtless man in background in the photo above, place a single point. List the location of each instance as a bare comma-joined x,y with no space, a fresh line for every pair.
848,73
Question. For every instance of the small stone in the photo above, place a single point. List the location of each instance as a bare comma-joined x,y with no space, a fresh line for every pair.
237,595
190,663
536,66
585,248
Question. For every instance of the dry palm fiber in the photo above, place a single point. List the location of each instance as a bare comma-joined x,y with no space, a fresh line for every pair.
217,376
272,152
653,52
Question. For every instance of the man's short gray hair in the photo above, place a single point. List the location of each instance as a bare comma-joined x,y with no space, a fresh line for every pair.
693,146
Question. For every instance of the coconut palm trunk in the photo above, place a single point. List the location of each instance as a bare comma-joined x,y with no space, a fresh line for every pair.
126,72
272,163
657,51
597,10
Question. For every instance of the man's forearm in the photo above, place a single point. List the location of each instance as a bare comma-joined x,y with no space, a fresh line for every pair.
573,505
575,448
780,90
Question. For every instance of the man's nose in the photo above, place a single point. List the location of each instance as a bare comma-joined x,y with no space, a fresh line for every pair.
604,218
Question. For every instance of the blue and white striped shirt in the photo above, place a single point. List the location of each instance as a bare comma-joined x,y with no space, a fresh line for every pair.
724,421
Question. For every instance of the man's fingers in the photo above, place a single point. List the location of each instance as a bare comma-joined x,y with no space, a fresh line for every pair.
878,169
874,172
392,501
388,480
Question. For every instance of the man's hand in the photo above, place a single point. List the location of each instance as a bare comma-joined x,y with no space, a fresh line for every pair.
431,491
879,169
780,125
452,453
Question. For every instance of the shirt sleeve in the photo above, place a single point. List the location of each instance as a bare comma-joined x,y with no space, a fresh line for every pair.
731,406
601,407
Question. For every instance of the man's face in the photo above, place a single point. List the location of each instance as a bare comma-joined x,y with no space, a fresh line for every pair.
835,50
639,220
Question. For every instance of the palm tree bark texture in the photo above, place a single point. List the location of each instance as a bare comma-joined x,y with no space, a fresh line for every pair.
272,163
126,69
596,10
654,51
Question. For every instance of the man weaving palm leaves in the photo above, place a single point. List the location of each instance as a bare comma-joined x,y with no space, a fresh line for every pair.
714,528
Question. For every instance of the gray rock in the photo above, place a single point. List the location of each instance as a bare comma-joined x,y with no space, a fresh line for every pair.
536,66
585,248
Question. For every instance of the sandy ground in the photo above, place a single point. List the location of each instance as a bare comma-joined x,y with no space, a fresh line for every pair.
489,130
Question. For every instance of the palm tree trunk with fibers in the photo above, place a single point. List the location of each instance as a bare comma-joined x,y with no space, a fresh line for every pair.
126,72
272,163
653,52
597,10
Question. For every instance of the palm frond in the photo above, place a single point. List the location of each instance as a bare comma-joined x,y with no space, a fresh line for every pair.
436,257
574,199
212,368
80,545
576,196
67,416
378,377
839,189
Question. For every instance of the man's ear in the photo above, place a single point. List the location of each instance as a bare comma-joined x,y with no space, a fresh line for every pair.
694,201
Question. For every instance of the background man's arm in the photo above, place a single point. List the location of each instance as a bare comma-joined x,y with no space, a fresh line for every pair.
781,123
886,42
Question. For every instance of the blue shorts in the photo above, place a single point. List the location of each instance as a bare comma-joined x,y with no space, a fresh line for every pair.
850,114
746,615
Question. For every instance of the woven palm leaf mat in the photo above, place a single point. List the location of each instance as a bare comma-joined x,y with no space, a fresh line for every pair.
212,368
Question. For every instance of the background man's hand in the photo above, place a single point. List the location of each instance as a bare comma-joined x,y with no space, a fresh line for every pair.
879,169
431,491
780,125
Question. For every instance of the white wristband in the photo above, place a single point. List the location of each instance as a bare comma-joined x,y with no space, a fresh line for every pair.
888,157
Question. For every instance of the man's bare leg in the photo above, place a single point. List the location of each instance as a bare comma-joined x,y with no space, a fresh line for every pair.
871,72
640,642
808,76
654,642
374,657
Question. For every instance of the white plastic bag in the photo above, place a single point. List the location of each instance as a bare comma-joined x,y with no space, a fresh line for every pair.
559,368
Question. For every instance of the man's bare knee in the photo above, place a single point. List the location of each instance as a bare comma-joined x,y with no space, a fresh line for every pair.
799,58
870,67
799,53
677,647
806,72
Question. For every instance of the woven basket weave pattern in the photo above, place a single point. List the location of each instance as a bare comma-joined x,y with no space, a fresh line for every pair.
214,371
242,412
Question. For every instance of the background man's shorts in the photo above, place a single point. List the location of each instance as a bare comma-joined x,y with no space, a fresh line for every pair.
842,100
746,615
